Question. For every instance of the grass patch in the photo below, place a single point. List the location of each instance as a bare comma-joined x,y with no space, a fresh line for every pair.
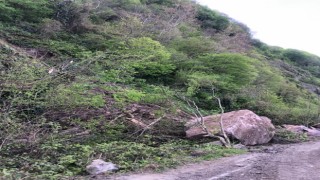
285,136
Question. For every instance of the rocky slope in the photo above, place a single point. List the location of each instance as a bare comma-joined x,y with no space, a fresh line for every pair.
81,80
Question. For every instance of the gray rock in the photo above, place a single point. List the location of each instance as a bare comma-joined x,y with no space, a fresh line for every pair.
243,125
300,129
99,166
313,132
239,146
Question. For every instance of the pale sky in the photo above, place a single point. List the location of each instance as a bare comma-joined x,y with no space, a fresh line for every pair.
285,23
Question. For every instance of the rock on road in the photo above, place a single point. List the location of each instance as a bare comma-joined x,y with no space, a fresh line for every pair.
280,162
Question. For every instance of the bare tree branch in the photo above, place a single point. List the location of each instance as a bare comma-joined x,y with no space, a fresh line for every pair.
221,118
151,124
200,121
3,142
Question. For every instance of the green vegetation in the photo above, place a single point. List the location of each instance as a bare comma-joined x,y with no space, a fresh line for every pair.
212,19
285,136
83,79
19,10
131,155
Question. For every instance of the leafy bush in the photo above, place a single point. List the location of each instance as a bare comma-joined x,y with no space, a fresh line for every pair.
233,70
212,19
123,2
102,16
74,95
129,95
25,10
50,28
270,52
66,12
301,58
149,58
6,11
305,60
281,108
23,84
160,95
65,48
162,2
226,73
194,46
94,42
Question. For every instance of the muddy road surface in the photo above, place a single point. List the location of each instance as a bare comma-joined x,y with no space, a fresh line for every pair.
278,162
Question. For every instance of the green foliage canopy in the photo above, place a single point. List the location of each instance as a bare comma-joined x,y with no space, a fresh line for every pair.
194,46
234,70
211,19
301,58
25,10
149,57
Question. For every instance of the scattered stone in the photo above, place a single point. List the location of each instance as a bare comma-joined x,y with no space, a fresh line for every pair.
313,132
316,126
255,150
243,125
239,146
99,166
300,129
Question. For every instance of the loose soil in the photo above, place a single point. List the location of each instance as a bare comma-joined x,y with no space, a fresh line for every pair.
275,162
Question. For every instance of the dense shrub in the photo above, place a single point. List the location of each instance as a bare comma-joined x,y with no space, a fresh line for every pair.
25,10
149,58
194,46
50,28
102,16
225,73
234,70
162,2
270,52
212,19
302,58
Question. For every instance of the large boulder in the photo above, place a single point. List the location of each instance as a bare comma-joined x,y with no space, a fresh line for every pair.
99,166
243,125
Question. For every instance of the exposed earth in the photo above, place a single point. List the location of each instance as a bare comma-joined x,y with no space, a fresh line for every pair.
276,162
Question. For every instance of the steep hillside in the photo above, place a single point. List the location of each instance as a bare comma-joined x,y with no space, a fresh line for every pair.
84,79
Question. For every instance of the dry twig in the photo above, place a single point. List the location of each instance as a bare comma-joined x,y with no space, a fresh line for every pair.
200,120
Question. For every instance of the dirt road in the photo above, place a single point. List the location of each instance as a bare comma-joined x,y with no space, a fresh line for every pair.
279,162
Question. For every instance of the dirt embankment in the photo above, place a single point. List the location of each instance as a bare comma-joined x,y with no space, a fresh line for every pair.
277,162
